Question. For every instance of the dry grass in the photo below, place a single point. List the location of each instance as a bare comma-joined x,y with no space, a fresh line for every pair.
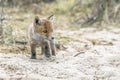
16,28
19,19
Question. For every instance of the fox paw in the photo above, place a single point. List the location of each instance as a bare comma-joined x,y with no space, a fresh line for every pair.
33,57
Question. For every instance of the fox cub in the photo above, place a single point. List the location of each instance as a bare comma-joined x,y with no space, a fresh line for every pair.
40,33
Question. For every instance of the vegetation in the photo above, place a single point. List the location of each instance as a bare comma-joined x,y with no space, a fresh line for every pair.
16,15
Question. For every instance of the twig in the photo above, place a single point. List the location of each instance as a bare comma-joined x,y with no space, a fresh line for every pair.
18,19
19,42
78,54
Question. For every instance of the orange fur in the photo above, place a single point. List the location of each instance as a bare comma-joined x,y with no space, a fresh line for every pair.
45,26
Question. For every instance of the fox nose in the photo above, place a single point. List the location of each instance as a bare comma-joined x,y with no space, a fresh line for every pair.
49,38
52,38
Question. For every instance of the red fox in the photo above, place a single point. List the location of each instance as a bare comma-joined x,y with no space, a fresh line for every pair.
40,33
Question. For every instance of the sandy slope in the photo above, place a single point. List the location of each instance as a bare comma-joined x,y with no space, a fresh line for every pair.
98,62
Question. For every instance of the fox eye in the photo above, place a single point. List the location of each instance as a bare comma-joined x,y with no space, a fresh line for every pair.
45,31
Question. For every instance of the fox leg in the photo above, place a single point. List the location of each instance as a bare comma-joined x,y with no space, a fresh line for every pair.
48,49
53,48
42,50
33,51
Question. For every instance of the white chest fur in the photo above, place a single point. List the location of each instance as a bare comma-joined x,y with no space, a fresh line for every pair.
37,38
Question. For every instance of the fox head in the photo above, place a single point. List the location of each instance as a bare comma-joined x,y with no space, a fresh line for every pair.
44,26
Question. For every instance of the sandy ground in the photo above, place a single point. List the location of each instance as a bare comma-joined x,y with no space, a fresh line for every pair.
99,59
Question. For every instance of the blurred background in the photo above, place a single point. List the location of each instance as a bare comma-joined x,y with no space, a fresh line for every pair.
70,15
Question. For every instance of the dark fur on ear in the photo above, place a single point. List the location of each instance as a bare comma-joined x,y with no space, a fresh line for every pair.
51,17
37,20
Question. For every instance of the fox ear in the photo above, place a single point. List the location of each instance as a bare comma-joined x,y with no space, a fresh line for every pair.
37,20
51,17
